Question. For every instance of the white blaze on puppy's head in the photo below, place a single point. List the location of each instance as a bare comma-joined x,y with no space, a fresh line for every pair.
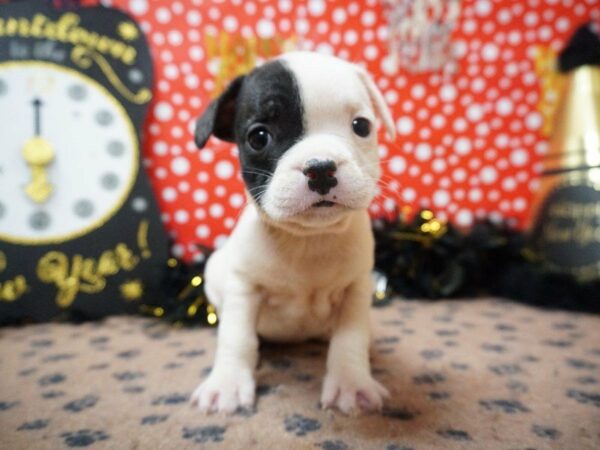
305,125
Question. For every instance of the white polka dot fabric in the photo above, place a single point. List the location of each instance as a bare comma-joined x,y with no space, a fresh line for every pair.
471,137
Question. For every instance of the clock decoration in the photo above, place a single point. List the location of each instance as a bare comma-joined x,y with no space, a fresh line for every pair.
80,232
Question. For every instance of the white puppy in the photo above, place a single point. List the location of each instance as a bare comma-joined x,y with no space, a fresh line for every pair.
298,264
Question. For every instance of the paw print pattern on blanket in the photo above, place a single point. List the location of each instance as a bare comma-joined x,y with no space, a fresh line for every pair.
83,438
300,425
204,434
34,425
461,374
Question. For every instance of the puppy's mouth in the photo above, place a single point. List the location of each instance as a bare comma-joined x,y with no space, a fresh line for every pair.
323,204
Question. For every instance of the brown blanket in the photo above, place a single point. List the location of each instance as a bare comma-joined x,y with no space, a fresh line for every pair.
469,374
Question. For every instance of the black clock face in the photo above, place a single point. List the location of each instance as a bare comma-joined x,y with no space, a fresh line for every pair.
70,160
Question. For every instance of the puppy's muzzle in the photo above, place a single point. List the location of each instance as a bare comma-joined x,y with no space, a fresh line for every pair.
321,175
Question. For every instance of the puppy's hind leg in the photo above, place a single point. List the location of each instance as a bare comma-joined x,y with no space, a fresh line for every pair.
231,381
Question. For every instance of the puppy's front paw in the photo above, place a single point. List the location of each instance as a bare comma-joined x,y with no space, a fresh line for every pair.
225,391
352,393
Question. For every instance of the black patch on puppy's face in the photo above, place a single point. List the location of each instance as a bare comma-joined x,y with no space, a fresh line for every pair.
267,100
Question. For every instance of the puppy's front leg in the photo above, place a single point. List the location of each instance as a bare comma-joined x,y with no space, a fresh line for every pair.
348,383
231,380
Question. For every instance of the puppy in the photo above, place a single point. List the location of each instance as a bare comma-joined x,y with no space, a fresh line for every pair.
298,263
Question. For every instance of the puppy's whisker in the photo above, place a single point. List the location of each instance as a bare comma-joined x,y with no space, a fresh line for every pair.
396,202
258,192
389,183
387,188
395,190
387,197
268,175
257,170
255,188
259,197
385,185
258,173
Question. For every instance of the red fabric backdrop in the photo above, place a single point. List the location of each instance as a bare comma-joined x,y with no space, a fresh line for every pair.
469,143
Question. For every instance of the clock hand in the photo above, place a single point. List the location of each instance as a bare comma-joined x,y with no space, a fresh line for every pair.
38,154
37,103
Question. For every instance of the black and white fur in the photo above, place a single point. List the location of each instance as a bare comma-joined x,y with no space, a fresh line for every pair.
298,263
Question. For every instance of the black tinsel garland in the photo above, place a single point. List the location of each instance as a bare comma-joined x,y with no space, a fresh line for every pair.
428,258
183,301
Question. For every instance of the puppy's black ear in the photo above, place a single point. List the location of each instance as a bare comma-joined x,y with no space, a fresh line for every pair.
219,117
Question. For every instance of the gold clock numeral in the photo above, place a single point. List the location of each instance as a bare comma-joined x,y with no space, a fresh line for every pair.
38,154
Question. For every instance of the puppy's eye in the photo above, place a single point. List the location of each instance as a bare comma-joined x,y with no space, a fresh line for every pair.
361,126
258,137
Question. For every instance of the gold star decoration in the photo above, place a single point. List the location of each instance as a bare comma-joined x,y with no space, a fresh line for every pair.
132,290
127,31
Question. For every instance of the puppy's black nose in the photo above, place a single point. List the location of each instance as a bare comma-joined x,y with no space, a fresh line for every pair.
321,175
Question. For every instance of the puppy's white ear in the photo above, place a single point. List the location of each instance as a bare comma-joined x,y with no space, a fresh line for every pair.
219,117
381,108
